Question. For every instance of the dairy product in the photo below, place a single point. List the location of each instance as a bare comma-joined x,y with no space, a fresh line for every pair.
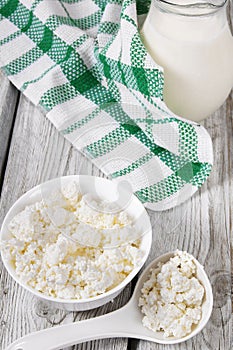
171,298
196,54
49,261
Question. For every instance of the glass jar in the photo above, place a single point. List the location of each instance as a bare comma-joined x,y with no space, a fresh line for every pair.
194,45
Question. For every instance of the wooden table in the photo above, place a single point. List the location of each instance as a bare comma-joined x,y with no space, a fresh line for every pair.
33,151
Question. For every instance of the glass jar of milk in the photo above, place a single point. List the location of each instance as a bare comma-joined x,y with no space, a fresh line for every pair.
192,41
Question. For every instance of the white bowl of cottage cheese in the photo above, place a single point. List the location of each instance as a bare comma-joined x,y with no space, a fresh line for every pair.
174,297
76,241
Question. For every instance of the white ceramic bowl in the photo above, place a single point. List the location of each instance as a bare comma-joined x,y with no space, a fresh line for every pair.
207,303
105,189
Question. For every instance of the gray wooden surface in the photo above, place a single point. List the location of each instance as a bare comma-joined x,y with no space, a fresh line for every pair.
32,151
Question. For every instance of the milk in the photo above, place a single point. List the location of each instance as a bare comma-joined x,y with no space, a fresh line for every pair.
197,56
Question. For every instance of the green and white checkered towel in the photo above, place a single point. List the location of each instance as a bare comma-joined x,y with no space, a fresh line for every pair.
83,62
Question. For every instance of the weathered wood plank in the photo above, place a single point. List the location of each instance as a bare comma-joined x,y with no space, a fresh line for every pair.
38,153
202,226
8,103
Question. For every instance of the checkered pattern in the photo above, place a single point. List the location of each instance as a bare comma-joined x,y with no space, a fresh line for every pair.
83,62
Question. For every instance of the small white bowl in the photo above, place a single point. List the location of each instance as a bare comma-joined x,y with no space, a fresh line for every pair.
103,188
207,303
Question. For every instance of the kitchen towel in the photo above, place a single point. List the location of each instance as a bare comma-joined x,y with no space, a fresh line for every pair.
84,64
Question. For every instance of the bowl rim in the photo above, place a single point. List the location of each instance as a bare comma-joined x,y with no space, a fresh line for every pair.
118,288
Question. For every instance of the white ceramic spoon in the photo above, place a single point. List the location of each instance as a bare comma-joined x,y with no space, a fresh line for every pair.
124,322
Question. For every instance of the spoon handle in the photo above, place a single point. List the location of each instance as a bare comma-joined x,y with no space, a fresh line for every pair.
113,324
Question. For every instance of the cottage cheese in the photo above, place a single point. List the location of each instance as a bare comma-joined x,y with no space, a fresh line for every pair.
171,298
46,259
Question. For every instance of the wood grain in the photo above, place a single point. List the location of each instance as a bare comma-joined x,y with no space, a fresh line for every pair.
202,226
8,104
